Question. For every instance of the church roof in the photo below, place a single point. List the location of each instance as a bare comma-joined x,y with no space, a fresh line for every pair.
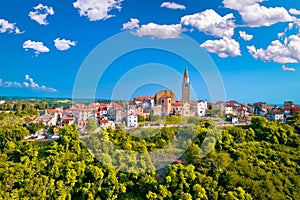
186,75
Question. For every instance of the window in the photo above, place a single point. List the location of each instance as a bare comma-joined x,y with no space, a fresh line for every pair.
162,101
169,101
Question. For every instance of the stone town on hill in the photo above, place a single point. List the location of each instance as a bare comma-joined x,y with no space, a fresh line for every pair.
163,104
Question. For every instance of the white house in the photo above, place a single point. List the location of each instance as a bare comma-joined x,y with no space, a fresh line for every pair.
56,113
279,116
132,121
201,108
234,119
102,113
46,119
106,124
275,116
228,110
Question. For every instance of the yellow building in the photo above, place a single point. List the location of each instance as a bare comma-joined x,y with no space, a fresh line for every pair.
165,98
164,93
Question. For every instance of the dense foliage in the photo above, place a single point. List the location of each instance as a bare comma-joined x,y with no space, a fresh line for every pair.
261,161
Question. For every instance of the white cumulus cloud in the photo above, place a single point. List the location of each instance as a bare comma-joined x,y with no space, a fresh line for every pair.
282,53
6,26
285,68
245,36
159,31
255,15
8,84
133,23
28,83
63,44
96,10
40,14
172,5
294,11
224,47
38,47
283,35
211,23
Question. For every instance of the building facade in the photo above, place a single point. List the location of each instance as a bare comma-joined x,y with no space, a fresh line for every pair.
185,88
201,108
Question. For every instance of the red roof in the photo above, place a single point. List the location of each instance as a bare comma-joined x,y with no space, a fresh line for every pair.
278,113
233,102
141,98
270,107
54,111
287,108
67,118
102,108
186,75
240,108
176,104
131,103
295,109
115,105
104,121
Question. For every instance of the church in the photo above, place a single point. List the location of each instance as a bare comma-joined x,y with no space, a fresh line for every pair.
164,100
164,104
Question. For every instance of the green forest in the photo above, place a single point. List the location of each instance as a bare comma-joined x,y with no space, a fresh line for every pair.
258,161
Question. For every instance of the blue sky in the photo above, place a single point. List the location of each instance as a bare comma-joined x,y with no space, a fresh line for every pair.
254,44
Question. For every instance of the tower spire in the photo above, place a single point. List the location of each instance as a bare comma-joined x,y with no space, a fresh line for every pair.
185,87
186,74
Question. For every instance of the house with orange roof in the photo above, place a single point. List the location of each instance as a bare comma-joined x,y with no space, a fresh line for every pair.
65,120
177,108
275,116
106,124
46,119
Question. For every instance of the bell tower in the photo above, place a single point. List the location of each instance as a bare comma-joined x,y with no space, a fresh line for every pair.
186,87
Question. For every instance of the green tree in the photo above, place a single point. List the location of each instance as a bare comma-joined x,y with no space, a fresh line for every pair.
173,120
193,154
34,127
141,118
120,102
11,132
91,125
217,113
297,121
